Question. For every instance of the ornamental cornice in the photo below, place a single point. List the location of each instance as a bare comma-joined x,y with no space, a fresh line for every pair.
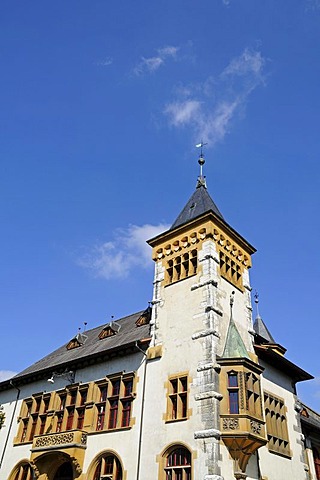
188,239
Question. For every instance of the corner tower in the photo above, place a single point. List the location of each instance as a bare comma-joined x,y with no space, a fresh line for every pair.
199,263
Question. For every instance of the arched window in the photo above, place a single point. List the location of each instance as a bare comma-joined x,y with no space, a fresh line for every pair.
108,468
24,472
177,465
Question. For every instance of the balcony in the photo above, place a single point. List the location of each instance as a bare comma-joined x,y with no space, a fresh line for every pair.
61,440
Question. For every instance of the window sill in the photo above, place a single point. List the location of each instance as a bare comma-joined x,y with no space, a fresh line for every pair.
281,454
110,430
180,280
174,420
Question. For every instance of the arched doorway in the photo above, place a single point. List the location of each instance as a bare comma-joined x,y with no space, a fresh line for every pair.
64,472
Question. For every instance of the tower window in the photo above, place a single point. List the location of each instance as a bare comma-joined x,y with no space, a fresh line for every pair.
230,270
233,389
181,267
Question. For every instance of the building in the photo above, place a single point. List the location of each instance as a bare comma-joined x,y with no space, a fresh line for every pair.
187,389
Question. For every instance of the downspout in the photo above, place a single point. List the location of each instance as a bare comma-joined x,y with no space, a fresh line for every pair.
11,422
142,411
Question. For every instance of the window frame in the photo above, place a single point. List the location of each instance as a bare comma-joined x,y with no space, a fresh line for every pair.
178,397
276,425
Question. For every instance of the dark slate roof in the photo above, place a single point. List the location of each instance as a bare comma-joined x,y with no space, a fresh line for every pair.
260,328
309,417
93,347
199,203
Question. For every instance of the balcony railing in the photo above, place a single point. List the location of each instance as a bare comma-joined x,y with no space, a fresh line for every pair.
50,441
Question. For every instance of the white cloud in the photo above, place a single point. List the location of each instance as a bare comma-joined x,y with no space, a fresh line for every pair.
106,62
250,62
6,374
182,112
127,250
151,64
313,5
209,108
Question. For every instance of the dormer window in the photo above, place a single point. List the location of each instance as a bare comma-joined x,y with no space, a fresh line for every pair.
106,332
77,341
109,330
144,318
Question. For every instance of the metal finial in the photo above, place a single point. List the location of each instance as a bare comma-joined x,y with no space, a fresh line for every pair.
256,300
201,160
231,303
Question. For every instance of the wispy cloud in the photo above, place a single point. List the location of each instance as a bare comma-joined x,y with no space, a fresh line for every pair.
313,5
105,62
151,64
126,250
209,107
6,374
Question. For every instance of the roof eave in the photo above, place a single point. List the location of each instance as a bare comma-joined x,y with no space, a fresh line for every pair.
18,381
198,220
296,373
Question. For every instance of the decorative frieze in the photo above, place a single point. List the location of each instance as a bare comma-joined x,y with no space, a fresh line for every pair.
255,427
230,424
56,440
53,440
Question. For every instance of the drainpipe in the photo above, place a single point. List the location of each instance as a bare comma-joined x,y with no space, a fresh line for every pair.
142,410
11,422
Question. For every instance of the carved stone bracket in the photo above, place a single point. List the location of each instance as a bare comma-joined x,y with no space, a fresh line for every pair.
35,470
205,333
210,394
204,284
76,465
211,433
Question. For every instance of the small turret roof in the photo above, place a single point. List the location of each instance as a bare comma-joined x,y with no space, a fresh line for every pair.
261,329
234,347
199,203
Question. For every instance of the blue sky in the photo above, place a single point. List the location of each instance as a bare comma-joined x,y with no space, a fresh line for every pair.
102,103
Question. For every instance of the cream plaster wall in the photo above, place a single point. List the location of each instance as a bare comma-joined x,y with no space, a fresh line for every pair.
273,465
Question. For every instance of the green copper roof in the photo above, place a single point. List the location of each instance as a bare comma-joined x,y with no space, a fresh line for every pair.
234,347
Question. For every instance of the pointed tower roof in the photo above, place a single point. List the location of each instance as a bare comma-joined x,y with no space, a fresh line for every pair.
261,329
234,346
199,203
259,326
